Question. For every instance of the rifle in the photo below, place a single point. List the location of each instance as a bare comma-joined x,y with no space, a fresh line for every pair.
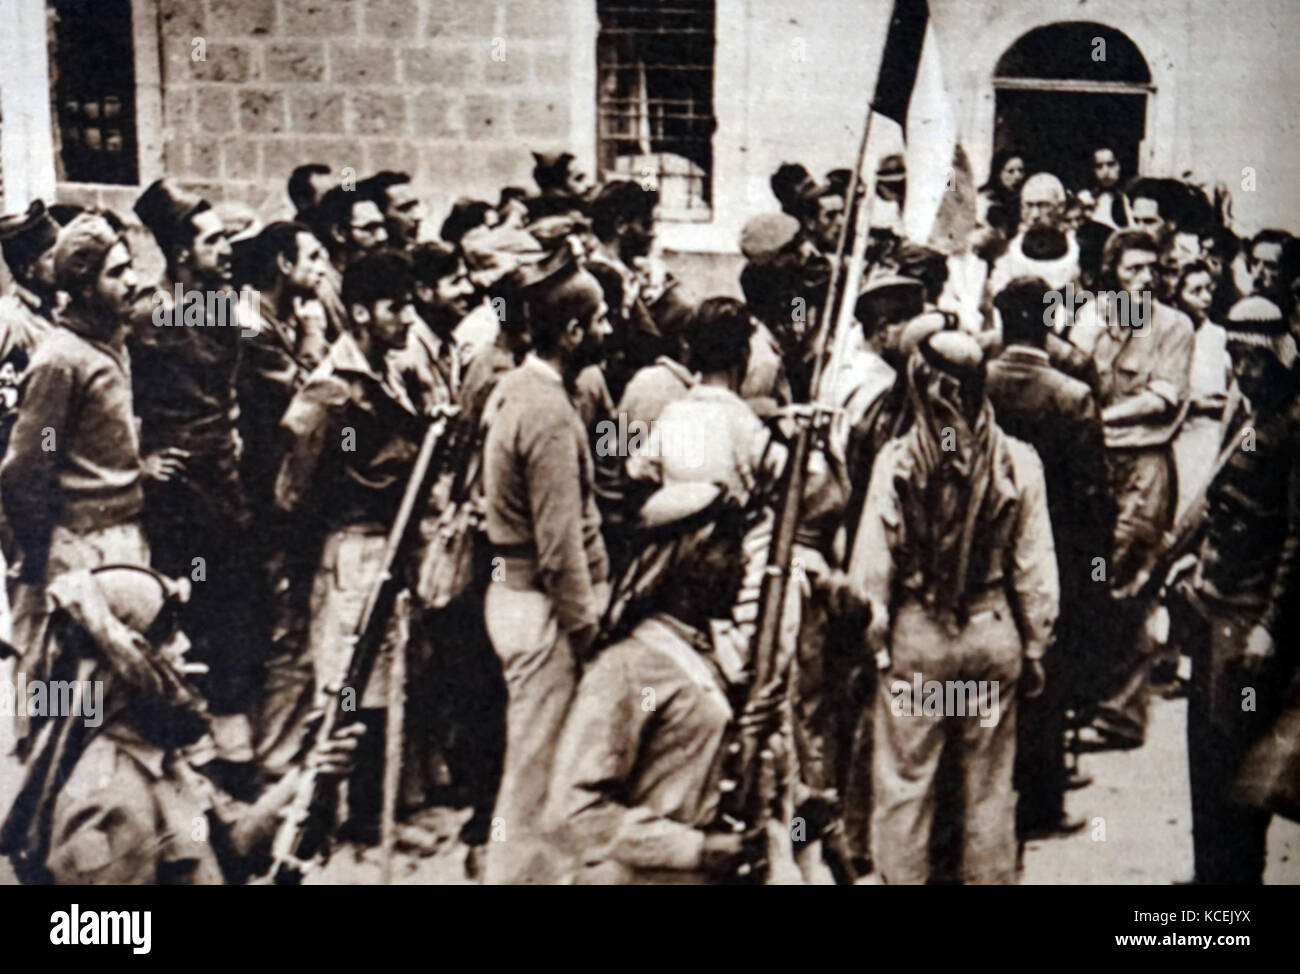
748,792
1186,531
302,839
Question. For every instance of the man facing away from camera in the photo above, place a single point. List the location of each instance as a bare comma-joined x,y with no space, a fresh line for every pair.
637,769
954,556
1058,416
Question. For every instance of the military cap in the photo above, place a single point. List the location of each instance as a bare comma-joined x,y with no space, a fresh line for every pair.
165,207
890,296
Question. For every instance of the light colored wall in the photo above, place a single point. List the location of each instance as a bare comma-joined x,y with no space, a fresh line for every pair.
793,80
411,84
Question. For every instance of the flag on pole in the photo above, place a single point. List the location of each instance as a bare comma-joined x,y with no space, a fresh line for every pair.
940,205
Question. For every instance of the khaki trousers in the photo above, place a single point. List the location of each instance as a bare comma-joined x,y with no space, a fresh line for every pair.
541,677
908,747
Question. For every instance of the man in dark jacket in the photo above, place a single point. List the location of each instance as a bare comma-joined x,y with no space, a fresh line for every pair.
196,510
1242,590
287,264
1058,416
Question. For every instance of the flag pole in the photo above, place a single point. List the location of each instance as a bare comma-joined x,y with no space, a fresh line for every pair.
833,310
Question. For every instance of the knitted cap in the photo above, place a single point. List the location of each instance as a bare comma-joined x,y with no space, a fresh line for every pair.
80,250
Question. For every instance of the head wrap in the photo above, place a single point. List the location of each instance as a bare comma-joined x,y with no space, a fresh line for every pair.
1257,321
94,616
956,483
673,525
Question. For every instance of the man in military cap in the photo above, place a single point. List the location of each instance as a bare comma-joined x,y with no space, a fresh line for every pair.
784,283
71,479
185,375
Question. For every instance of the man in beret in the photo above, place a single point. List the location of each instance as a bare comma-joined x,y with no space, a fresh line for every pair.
953,504
186,364
71,478
27,242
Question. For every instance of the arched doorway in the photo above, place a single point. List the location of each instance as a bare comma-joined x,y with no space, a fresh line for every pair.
1063,89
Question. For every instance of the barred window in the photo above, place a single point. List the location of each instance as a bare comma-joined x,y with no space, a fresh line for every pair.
654,99
92,73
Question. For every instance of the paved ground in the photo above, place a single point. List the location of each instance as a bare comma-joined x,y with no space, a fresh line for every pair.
1139,825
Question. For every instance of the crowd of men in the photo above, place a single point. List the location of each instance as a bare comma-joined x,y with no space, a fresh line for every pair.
1043,469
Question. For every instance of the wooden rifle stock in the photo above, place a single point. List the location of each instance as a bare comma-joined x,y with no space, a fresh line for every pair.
747,791
302,838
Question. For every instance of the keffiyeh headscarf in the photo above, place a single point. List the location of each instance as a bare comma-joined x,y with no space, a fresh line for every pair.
664,550
956,486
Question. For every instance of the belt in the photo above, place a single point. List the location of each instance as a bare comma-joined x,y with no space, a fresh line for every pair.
518,572
524,549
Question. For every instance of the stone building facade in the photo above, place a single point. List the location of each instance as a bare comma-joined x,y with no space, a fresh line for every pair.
229,95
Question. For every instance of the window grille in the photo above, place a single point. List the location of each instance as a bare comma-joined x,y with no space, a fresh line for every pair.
92,74
654,100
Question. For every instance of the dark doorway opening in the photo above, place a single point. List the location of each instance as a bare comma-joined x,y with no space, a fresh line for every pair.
1066,89
1057,130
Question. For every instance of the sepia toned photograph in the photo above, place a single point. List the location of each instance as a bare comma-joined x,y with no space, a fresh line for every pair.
651,442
